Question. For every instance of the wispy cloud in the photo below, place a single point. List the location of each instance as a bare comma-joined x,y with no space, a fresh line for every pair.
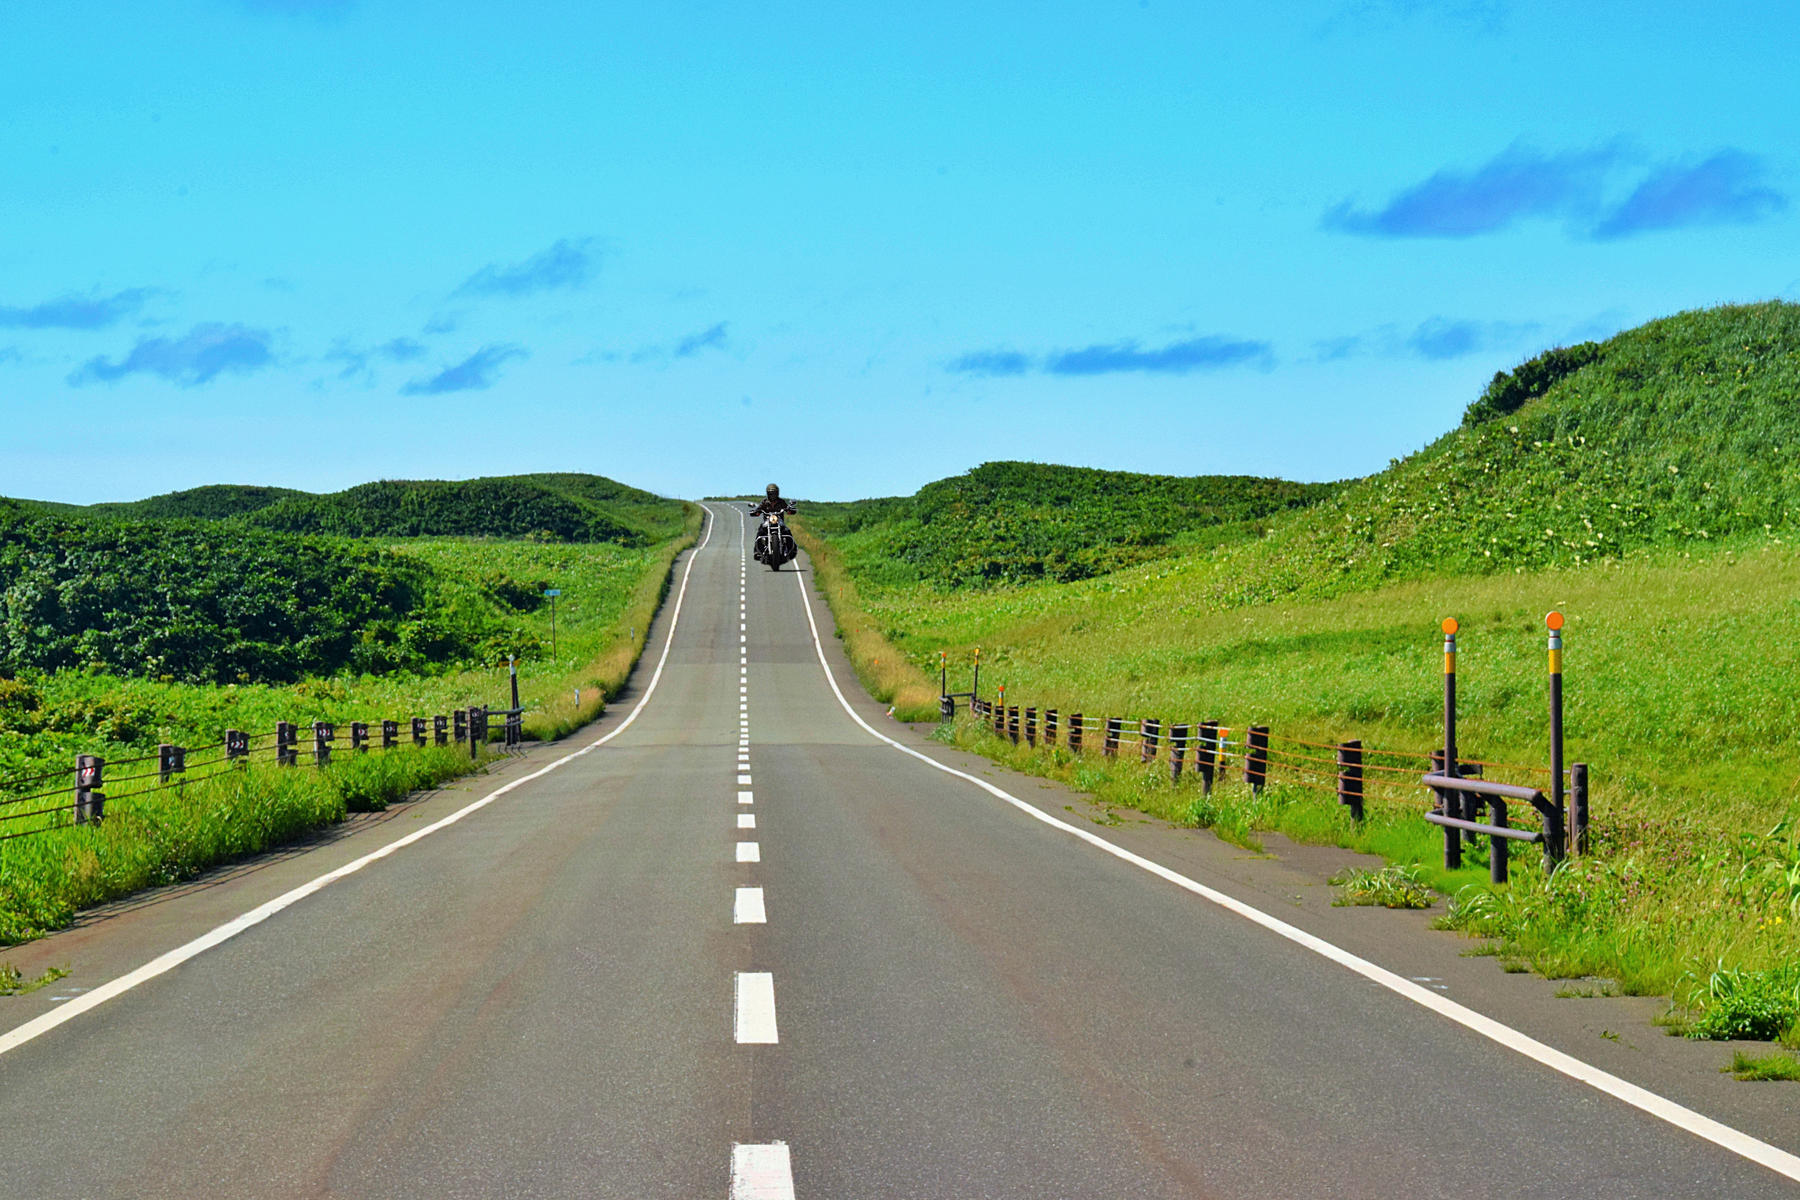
991,362
1207,353
568,263
1521,184
357,360
712,338
477,372
206,352
1176,358
76,312
1725,189
1515,184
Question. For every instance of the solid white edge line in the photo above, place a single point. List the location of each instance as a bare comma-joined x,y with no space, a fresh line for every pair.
1717,1132
12,1039
754,1021
761,1171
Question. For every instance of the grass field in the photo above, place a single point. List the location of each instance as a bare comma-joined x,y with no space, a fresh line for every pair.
1635,489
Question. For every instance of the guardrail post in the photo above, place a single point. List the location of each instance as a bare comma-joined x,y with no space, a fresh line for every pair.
1110,747
237,744
1450,800
1350,777
417,729
90,782
1012,723
1256,757
322,735
359,737
1206,755
999,714
461,717
440,730
1578,808
165,762
1076,725
1150,735
390,734
1496,844
1031,720
1049,727
285,754
1178,740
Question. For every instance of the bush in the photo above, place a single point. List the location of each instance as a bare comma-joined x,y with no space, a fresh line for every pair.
1509,391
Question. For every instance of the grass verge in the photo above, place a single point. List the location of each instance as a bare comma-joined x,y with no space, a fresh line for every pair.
885,672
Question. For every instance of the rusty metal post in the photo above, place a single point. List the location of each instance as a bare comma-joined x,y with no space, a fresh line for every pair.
1578,808
1149,737
90,784
1031,726
1178,740
1350,777
1110,747
1256,757
1012,723
1452,800
1049,727
1076,725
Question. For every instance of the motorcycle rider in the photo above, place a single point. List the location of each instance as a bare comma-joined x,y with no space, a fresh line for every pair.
772,505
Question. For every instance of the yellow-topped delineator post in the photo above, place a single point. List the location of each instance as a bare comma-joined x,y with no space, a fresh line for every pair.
1452,800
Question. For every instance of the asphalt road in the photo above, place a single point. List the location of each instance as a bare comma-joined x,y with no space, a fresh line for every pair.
568,993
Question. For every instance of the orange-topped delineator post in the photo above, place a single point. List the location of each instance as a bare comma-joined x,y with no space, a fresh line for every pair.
1452,800
1554,621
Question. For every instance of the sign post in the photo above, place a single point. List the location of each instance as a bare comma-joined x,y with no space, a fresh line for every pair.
553,593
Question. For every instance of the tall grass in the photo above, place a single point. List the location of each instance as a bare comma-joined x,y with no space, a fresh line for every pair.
885,672
173,834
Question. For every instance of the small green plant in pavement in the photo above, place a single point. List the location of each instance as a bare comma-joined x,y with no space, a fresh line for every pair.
1388,887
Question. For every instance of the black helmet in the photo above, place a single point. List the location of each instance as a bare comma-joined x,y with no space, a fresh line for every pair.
772,491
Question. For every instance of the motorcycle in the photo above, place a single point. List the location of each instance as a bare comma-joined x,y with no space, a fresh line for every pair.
774,542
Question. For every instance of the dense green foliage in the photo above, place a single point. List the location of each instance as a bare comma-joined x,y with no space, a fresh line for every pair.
547,507
210,503
1008,522
202,603
1508,391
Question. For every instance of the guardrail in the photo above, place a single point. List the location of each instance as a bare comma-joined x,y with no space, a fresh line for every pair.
1350,768
82,793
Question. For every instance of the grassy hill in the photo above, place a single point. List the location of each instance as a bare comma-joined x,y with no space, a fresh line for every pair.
1646,485
1010,522
548,507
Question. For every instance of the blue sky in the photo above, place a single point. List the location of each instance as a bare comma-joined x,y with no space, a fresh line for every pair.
850,248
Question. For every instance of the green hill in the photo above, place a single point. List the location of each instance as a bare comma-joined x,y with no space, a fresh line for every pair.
1681,432
1009,522
548,507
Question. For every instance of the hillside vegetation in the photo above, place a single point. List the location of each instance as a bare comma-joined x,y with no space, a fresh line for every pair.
550,507
1010,522
1647,486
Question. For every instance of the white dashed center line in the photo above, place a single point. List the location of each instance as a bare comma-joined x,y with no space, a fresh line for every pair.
756,1008
746,797
746,820
748,910
749,852
743,781
761,1172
